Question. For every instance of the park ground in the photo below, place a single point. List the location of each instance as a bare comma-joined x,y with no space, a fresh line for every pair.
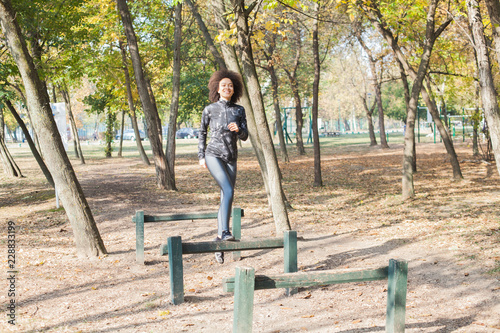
449,234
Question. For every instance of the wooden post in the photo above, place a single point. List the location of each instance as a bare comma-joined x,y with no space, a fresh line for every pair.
176,269
243,299
139,237
290,249
396,296
237,230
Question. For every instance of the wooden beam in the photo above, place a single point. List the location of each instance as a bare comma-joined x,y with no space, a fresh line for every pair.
309,279
205,247
181,217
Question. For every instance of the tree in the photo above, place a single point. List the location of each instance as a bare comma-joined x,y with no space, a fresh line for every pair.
374,14
9,165
87,237
488,92
176,81
162,168
131,105
250,74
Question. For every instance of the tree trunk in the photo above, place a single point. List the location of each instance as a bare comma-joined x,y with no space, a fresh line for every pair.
278,201
318,181
162,170
31,144
494,13
232,63
377,90
406,88
122,127
369,119
176,82
9,165
277,113
488,92
87,237
206,34
131,106
74,129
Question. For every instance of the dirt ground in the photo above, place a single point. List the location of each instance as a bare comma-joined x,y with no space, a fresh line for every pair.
449,235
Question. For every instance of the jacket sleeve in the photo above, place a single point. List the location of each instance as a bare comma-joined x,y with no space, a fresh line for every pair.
243,132
202,135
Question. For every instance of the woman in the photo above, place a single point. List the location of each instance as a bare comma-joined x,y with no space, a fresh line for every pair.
227,122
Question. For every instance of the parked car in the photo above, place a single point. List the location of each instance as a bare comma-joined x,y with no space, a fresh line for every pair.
187,133
130,135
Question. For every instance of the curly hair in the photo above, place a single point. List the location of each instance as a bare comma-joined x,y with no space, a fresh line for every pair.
213,85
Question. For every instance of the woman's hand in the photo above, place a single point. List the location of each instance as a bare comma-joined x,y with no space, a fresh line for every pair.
202,163
233,127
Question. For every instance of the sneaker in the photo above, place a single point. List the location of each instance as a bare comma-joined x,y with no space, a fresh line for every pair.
219,257
226,236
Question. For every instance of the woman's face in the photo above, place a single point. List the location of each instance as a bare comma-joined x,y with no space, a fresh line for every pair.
226,89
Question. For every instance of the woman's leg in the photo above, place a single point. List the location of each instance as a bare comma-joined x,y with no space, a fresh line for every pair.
225,176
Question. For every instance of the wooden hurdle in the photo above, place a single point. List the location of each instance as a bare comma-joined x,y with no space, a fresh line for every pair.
139,219
175,248
245,282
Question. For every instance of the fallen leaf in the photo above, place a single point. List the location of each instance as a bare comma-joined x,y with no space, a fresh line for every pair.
209,278
308,316
356,321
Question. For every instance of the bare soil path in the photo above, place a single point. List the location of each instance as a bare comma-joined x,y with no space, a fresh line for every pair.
449,234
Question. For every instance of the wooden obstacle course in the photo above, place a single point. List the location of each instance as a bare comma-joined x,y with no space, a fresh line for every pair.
245,282
175,248
139,219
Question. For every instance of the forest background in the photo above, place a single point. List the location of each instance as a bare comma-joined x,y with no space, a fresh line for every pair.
341,66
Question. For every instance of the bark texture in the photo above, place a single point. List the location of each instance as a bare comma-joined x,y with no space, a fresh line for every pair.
487,86
131,105
318,181
278,200
162,169
87,237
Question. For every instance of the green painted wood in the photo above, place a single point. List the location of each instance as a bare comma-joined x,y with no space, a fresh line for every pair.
181,217
290,249
205,247
243,300
309,279
236,214
139,237
396,296
176,269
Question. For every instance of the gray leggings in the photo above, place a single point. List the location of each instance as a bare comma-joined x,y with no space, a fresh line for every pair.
225,176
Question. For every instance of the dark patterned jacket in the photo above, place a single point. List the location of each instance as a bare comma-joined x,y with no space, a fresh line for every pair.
223,142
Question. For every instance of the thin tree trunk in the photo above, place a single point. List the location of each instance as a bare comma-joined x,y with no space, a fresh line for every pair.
488,92
76,139
318,181
376,88
277,113
176,82
131,106
292,77
208,39
278,201
87,237
162,169
31,144
122,127
369,119
9,165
